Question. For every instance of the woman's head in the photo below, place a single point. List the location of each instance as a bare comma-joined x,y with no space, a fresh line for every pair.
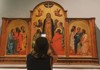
41,46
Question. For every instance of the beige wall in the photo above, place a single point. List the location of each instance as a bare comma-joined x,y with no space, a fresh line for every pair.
76,8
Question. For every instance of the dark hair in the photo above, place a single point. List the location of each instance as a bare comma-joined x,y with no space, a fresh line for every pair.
41,47
38,31
18,30
58,31
84,31
12,30
73,28
23,29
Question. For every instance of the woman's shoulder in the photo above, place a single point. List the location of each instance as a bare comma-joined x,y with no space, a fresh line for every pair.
29,55
50,57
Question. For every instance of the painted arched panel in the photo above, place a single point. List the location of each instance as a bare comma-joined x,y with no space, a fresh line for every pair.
17,37
49,18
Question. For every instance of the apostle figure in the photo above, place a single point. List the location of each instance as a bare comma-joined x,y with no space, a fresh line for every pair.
37,35
85,43
77,39
60,26
72,34
57,43
24,40
10,45
39,24
19,38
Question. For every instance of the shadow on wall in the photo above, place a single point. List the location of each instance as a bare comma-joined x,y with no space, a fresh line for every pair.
98,41
0,30
0,34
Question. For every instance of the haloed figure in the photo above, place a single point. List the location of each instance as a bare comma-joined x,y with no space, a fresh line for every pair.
24,39
48,27
72,34
37,35
56,23
39,24
19,38
10,45
85,43
77,39
57,43
60,26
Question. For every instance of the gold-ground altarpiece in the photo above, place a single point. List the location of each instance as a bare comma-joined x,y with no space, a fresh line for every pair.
73,40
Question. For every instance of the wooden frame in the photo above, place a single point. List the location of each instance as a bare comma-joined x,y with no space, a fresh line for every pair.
87,24
57,22
85,54
38,21
7,25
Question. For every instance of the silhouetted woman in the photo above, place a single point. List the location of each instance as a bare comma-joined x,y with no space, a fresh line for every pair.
38,59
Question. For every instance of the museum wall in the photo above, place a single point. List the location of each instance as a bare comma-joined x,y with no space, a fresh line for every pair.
75,8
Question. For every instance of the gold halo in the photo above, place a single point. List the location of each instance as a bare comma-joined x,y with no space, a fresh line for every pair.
57,29
39,29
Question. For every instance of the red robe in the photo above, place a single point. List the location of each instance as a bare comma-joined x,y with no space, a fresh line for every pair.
57,44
